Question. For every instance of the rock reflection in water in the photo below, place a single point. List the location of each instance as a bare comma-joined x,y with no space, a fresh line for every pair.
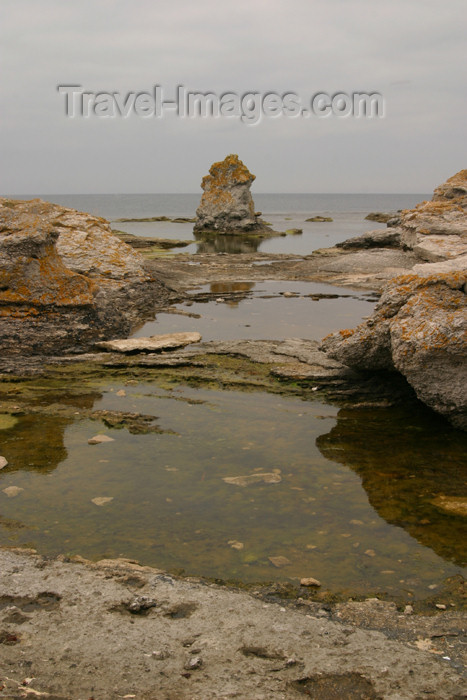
224,243
406,460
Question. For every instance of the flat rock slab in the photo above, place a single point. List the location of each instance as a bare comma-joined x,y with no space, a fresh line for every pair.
106,639
154,343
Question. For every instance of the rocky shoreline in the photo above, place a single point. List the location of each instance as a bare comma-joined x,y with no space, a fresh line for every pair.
122,630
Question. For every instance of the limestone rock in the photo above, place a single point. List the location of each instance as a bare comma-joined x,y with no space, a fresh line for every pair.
12,491
102,500
247,480
381,238
154,343
455,189
420,329
310,582
419,326
99,439
227,205
65,280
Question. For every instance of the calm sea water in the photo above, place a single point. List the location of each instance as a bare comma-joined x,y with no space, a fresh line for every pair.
282,212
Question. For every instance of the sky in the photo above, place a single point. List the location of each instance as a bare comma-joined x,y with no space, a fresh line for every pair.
412,52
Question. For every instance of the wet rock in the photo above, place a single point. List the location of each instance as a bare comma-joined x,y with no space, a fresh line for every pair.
12,491
294,231
279,561
227,205
154,343
319,219
99,439
309,582
451,504
3,462
266,477
102,500
65,280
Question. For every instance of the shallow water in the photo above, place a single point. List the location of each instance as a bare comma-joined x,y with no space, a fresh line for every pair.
350,501
259,310
315,235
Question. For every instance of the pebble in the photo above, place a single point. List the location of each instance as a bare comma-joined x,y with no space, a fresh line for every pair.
122,392
278,562
408,610
3,462
12,491
236,545
370,553
440,606
309,582
98,439
101,500
193,663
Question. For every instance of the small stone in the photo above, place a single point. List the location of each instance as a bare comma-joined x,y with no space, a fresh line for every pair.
408,610
236,545
311,546
3,462
101,500
310,582
98,439
440,606
220,300
370,553
356,522
287,295
280,561
266,477
193,663
160,655
140,604
121,392
12,491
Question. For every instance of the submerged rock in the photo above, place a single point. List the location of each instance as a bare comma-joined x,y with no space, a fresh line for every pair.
419,326
227,205
65,280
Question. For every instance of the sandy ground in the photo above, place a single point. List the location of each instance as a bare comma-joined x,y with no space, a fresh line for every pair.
117,630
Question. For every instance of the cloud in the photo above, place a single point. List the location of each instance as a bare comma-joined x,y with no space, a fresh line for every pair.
414,53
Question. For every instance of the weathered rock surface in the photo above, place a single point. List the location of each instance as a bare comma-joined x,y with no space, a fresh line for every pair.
227,205
65,280
154,343
419,326
103,637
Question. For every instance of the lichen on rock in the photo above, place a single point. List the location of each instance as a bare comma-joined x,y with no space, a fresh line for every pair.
227,205
419,326
65,280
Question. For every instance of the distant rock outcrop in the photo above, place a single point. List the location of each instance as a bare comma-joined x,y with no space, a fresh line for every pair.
419,326
227,205
65,280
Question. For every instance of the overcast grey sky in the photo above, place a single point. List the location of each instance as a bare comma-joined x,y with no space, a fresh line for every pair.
412,51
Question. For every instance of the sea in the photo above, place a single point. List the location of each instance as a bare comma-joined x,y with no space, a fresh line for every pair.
283,211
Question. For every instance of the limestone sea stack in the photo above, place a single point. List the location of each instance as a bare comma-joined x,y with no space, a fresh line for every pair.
227,205
66,280
419,326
